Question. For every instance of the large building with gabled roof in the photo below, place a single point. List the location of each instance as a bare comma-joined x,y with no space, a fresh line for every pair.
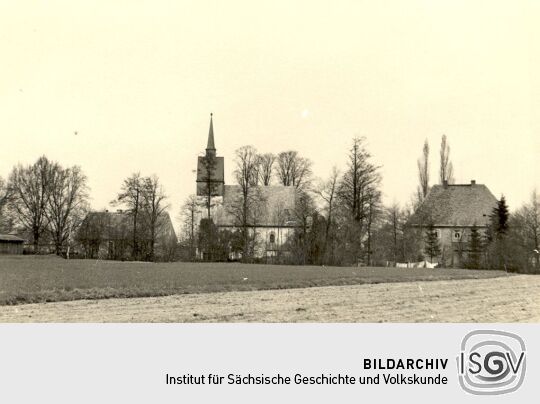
109,235
453,209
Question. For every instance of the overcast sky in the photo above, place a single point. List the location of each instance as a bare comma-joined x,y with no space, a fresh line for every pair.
137,81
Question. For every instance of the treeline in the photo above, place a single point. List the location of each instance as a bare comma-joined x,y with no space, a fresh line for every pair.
45,201
48,205
511,242
341,220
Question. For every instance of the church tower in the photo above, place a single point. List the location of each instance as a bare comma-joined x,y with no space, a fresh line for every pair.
210,169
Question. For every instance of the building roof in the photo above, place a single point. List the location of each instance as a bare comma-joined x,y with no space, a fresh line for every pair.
10,238
118,225
210,145
275,209
210,162
456,205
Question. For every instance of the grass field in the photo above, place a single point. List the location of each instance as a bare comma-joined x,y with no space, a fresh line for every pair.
26,279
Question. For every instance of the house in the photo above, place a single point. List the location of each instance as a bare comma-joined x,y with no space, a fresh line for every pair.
272,221
10,244
109,235
452,210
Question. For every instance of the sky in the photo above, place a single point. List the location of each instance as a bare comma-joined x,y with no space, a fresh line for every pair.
128,86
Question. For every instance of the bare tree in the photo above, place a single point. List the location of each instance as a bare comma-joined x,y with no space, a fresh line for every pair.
360,179
188,216
293,170
389,240
154,205
245,172
327,191
4,194
4,197
359,193
423,172
304,210
375,209
266,168
413,236
533,225
30,189
92,232
446,169
395,218
526,228
284,168
67,203
302,173
130,196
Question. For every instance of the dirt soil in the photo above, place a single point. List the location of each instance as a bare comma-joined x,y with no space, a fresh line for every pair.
507,299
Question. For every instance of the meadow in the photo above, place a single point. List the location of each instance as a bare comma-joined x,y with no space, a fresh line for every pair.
38,279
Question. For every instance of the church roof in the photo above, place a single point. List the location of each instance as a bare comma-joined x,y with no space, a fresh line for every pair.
210,145
455,205
276,207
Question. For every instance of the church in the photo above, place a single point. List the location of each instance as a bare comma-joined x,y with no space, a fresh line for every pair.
272,223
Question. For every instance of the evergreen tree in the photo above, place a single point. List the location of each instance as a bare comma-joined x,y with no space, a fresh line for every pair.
432,247
475,249
423,173
498,248
499,218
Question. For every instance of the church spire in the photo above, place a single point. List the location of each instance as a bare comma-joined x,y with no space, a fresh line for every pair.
210,147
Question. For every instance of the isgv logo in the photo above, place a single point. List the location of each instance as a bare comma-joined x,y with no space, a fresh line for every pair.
491,362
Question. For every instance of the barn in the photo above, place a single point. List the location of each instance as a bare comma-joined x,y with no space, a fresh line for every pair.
109,235
10,244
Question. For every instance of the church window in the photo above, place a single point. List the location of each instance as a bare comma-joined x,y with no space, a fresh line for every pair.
272,238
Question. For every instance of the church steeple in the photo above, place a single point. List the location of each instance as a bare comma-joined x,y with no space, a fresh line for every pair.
210,169
210,147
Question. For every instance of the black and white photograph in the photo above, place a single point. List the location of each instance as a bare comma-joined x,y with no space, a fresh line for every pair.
243,162
261,201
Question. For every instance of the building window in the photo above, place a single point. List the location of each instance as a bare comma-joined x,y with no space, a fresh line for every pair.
272,238
438,231
457,235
